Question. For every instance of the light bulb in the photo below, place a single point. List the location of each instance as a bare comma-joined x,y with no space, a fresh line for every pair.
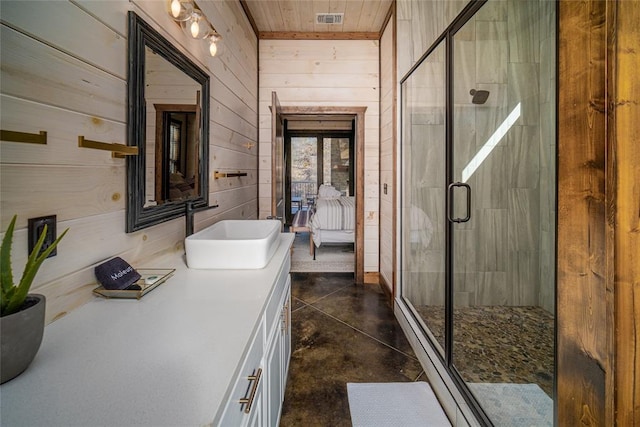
195,28
175,8
181,10
213,38
213,48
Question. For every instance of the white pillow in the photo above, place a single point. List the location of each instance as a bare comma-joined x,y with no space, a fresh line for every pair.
328,192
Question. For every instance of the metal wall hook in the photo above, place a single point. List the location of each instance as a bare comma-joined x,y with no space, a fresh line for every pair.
30,138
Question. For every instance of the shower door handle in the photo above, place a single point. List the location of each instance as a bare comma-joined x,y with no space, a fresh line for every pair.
450,202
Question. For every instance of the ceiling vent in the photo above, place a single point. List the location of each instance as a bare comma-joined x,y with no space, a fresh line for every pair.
329,18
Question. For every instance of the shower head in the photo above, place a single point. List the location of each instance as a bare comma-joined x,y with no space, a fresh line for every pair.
479,96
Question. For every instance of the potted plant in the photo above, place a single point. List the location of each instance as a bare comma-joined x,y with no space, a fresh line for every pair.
21,313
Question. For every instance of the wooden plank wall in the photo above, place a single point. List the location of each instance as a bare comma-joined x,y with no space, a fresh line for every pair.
584,359
388,83
624,173
324,73
598,219
64,71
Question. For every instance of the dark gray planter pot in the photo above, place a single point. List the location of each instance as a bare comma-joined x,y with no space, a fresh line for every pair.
21,336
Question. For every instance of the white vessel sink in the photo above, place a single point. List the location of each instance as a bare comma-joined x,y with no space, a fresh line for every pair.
233,244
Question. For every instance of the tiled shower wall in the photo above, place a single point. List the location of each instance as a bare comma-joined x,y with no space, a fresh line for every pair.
505,255
548,154
502,49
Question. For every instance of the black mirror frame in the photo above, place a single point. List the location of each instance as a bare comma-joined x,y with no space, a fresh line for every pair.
142,35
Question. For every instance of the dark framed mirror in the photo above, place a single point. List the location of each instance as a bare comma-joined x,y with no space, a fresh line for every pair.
168,120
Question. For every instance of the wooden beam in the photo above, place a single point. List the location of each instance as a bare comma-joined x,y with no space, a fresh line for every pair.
623,162
300,35
359,177
598,214
387,18
247,12
584,293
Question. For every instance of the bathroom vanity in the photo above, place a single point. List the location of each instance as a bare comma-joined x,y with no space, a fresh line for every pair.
207,347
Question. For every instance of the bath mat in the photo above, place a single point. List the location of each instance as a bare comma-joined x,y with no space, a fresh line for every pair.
514,405
394,404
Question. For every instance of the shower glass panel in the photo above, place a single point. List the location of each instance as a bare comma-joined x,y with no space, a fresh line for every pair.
423,194
503,257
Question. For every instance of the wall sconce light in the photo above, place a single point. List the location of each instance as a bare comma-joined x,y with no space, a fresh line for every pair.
194,23
181,10
213,39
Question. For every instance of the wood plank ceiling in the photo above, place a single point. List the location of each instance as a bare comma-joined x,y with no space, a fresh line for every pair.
296,19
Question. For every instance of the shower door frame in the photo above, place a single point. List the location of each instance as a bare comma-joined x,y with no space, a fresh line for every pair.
447,358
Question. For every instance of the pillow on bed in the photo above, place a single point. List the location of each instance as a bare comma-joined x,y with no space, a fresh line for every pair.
328,192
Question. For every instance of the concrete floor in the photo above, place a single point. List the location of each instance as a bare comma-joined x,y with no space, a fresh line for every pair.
341,332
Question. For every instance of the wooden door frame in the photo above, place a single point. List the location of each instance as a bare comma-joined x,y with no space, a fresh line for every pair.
161,110
277,144
358,114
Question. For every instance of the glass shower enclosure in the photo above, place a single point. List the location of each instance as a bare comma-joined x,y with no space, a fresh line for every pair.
478,205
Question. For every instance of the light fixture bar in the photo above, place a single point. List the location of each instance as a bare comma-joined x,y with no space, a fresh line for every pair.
194,23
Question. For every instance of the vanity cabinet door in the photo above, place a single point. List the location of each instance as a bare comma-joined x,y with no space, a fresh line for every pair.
244,405
272,311
274,385
268,359
277,357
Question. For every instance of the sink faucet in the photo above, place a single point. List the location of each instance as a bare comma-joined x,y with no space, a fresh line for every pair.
189,211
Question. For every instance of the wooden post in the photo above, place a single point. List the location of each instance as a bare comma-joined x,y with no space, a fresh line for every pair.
624,164
598,335
585,304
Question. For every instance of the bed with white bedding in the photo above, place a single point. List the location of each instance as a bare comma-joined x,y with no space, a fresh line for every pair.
333,220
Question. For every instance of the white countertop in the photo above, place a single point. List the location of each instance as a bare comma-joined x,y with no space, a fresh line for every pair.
164,360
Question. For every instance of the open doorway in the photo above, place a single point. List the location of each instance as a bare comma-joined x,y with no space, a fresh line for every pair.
325,120
315,158
319,197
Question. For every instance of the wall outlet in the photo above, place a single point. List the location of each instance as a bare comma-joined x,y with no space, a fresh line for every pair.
35,227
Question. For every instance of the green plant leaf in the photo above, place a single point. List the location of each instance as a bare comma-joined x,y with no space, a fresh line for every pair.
22,289
30,270
6,275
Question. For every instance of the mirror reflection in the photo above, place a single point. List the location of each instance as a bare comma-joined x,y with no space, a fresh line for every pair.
173,132
169,123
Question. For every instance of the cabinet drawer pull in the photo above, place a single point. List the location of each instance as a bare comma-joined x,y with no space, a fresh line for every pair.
249,400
